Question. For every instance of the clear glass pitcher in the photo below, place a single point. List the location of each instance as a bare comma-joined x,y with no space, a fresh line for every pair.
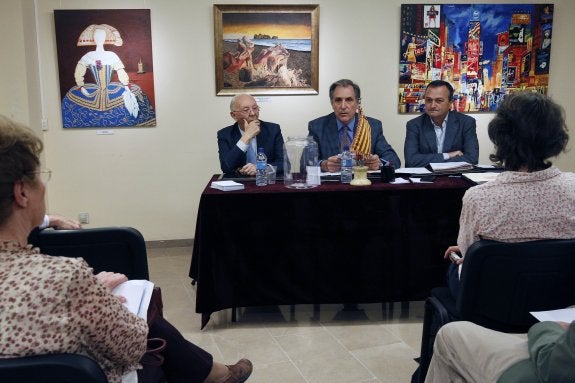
300,163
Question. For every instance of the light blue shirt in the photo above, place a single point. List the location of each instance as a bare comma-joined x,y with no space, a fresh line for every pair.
440,136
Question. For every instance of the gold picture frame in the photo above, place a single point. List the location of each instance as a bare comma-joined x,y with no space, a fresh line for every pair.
266,49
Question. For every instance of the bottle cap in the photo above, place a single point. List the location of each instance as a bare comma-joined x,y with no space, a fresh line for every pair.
346,148
260,150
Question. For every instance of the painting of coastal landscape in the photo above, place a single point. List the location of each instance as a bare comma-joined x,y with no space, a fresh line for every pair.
484,51
266,49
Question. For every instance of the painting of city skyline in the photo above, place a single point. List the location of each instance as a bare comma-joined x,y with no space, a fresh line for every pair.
484,50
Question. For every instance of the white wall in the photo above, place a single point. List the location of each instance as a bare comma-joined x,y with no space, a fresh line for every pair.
152,178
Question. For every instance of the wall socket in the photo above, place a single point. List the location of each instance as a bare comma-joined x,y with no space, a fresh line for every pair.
84,218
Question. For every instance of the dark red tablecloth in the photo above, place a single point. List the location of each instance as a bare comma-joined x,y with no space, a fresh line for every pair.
334,243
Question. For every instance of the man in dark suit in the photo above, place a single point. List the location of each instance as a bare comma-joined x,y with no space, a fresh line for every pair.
330,131
238,143
440,135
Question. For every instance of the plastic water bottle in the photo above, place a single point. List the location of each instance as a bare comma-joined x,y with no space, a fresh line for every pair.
261,168
346,166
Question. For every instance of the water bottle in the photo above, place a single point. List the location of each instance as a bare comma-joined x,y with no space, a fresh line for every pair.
261,168
346,166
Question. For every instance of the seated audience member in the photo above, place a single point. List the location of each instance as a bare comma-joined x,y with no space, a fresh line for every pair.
338,129
440,135
466,352
531,200
238,143
56,305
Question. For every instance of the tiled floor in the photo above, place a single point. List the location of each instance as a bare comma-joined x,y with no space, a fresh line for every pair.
377,344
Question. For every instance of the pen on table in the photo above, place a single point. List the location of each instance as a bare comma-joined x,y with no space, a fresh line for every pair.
454,176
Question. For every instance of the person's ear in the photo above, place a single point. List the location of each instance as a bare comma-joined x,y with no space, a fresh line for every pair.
21,193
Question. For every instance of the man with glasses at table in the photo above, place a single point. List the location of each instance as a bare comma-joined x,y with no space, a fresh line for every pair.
238,143
338,129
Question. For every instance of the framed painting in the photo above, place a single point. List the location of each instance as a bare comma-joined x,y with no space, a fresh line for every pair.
105,67
266,49
484,51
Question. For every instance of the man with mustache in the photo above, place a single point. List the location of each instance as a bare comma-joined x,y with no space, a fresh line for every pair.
338,129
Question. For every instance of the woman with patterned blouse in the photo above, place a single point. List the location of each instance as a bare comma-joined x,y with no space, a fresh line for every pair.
531,200
56,305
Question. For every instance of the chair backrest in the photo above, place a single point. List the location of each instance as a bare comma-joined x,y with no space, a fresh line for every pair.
51,368
502,282
117,249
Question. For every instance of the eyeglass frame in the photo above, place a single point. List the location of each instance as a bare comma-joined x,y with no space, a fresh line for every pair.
45,175
255,109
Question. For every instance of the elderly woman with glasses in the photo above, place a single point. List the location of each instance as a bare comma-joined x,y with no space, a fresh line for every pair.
56,305
238,143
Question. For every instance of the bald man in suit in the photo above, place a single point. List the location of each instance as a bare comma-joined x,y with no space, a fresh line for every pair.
440,135
238,143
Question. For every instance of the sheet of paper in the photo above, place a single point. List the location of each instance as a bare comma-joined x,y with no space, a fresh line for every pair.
419,181
412,171
480,178
399,180
563,315
138,293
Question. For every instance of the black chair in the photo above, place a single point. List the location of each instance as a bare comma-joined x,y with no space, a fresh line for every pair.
118,249
500,284
51,368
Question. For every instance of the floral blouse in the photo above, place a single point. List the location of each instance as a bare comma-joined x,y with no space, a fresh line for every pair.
55,304
519,207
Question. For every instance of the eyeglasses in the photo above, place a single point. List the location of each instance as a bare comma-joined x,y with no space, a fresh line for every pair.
246,110
45,175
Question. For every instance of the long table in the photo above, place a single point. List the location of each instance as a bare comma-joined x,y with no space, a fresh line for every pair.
335,243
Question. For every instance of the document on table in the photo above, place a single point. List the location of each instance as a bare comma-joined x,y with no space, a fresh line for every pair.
563,315
480,178
416,180
227,185
412,171
138,293
450,166
399,180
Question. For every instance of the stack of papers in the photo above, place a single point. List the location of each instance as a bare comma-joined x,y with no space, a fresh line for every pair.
138,293
227,185
450,167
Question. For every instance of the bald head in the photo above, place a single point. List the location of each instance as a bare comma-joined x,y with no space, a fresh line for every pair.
240,99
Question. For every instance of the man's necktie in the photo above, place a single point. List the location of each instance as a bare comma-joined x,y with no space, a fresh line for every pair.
345,138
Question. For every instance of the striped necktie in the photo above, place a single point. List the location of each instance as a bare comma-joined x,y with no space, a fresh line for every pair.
345,138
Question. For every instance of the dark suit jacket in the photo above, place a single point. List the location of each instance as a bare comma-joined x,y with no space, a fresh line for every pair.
325,133
421,142
270,138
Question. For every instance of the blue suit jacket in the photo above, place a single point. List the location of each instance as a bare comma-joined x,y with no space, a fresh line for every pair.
270,138
325,133
421,142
